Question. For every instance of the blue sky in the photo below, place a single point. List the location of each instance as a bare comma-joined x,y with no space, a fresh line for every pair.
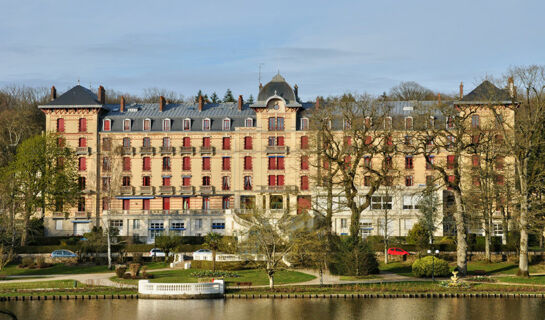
326,47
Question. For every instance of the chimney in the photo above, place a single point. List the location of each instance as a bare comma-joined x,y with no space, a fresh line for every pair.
240,103
511,86
317,105
296,91
53,93
162,102
201,102
122,104
439,98
101,95
461,90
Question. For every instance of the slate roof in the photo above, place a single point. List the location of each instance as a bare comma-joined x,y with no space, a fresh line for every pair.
77,96
487,92
279,87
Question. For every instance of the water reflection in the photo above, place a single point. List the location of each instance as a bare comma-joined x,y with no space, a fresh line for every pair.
268,309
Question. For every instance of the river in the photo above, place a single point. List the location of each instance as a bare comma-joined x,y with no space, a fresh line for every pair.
268,309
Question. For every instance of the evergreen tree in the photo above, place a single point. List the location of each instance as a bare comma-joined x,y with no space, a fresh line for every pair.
214,98
251,99
228,96
199,94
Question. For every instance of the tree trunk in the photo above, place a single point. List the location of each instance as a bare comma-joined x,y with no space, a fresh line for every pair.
271,279
523,258
461,234
109,250
487,238
24,232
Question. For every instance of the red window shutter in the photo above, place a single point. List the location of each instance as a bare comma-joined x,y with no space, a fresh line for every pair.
280,180
126,204
206,142
348,140
147,163
304,162
304,142
368,140
126,163
226,143
60,125
166,181
187,142
226,163
280,141
82,164
145,204
248,143
82,142
475,160
272,180
82,125
186,163
206,163
450,161
272,163
326,164
186,181
304,183
280,163
247,163
166,203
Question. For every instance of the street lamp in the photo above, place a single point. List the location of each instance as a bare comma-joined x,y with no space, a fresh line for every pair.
433,263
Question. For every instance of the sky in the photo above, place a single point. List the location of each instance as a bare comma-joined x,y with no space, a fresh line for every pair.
325,47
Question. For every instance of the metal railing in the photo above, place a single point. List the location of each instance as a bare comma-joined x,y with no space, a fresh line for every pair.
146,190
167,150
166,189
146,150
83,150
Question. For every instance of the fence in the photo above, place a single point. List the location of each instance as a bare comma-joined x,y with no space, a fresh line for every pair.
173,289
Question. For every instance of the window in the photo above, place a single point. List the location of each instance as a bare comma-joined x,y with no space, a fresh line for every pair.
186,163
116,224
218,225
368,140
127,125
348,140
249,122
146,142
126,182
60,125
186,142
225,183
206,124
206,181
429,162
367,162
388,163
450,141
206,163
146,163
187,124
226,143
81,183
166,203
451,160
498,230
368,122
126,142
409,162
177,225
498,139
226,163
186,203
304,183
410,202
58,224
145,204
408,123
81,204
304,162
226,124
166,142
408,140
107,125
304,142
276,163
475,161
247,143
205,203
499,163
366,228
381,202
247,163
475,138
226,203
166,181
276,124
105,203
61,142
166,124
82,143
82,164
475,121
476,181
166,163
206,142
276,202
429,180
408,181
304,123
198,224
347,162
106,183
136,222
247,183
146,181
82,125
147,125
450,122
389,141
344,223
126,164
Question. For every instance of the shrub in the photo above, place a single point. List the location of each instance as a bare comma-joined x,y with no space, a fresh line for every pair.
137,258
352,260
40,262
213,274
134,269
27,262
423,267
120,271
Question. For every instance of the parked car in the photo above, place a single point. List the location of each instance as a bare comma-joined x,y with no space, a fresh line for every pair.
63,254
202,251
202,254
156,252
397,252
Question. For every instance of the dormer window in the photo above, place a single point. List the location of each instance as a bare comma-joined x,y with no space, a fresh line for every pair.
431,122
304,123
147,124
226,124
187,124
107,125
206,124
127,125
249,122
166,124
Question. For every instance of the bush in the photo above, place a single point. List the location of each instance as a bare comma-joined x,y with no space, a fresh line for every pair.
137,258
40,262
213,274
134,269
27,262
352,260
120,271
423,267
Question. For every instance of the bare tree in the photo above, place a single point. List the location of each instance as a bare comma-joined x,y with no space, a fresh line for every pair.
410,90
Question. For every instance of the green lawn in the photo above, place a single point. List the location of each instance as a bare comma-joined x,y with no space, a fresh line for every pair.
255,276
401,268
57,287
530,280
61,268
356,278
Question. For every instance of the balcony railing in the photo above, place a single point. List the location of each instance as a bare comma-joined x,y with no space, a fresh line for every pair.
285,188
146,190
186,190
187,150
146,150
166,189
167,150
127,190
277,149
207,150
127,151
82,214
216,212
207,189
83,150
58,214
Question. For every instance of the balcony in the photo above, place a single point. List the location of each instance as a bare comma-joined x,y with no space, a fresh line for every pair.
285,188
83,151
167,150
146,150
166,189
82,214
146,190
277,149
207,150
187,150
127,151
126,190
187,190
59,214
207,189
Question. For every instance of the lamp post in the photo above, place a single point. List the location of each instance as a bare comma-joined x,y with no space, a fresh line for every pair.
433,253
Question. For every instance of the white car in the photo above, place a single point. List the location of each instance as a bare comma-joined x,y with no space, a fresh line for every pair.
202,254
156,252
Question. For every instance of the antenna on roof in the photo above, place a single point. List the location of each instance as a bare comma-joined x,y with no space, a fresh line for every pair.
261,64
78,81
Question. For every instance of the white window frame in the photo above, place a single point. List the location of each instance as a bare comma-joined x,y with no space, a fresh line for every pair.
382,202
303,125
184,123
209,124
144,124
58,224
249,122
130,124
165,121
431,122
104,122
228,124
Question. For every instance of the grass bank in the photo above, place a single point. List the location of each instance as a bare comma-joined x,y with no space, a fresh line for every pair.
61,268
491,268
57,287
